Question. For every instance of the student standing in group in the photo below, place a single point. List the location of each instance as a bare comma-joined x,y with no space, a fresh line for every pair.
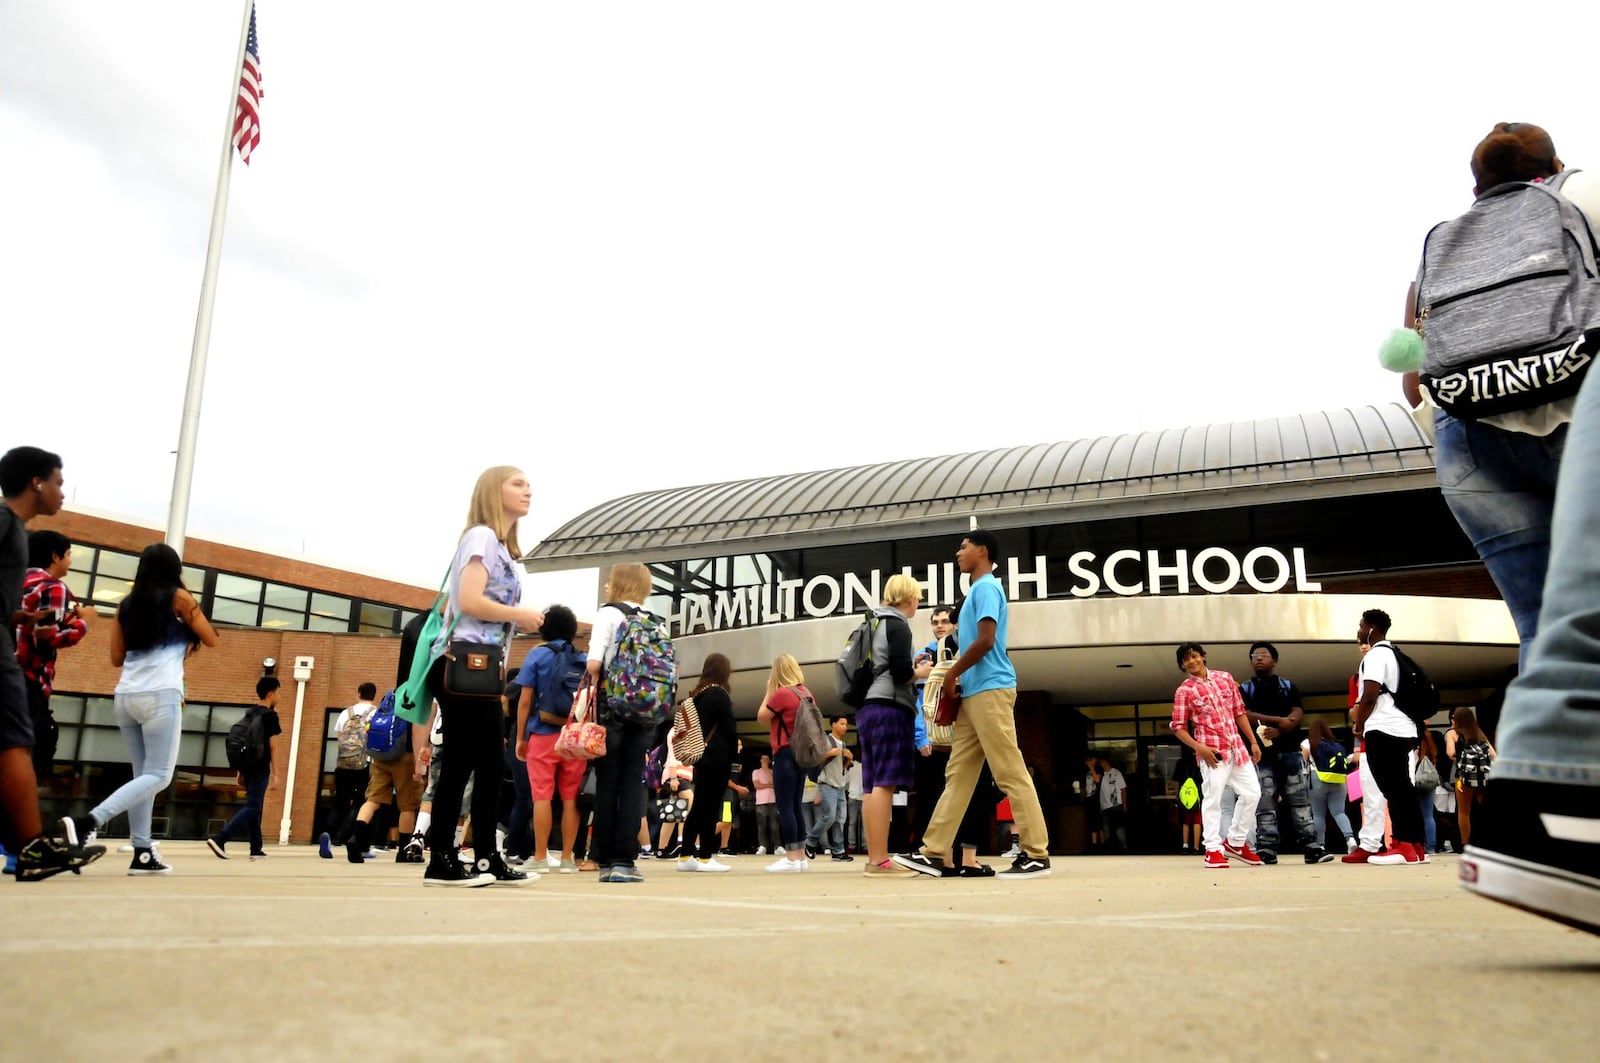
255,776
715,706
1208,701
1472,754
619,775
1389,737
1274,705
889,724
351,772
786,685
827,830
1330,766
483,607
544,702
158,624
854,843
986,726
60,622
30,479
767,831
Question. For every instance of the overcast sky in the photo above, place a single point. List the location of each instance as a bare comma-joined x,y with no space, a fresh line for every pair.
633,246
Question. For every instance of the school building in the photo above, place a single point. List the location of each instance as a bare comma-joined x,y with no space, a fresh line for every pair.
1116,549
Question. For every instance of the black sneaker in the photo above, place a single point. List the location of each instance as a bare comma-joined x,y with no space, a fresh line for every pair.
842,858
502,875
43,857
923,866
664,854
1026,866
216,848
1318,855
148,862
1268,856
78,830
412,853
449,872
1536,846
811,851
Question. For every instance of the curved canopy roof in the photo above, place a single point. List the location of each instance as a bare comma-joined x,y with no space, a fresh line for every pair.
1361,450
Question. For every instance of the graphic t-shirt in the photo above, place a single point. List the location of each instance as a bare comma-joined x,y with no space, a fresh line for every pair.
504,586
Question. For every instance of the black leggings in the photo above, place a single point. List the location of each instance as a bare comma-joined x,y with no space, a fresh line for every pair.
1390,760
710,783
474,737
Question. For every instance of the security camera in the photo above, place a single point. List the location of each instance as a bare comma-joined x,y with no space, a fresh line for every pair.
268,664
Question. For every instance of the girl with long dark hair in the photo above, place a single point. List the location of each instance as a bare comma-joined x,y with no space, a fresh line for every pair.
715,708
158,625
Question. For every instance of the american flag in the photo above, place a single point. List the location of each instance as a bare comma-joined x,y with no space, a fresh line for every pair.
247,116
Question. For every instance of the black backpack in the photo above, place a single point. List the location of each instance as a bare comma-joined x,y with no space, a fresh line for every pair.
246,744
1416,696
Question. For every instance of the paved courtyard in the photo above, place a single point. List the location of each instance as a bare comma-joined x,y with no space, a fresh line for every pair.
1124,958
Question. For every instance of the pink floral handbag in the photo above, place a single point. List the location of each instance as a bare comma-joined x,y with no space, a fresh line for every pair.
581,738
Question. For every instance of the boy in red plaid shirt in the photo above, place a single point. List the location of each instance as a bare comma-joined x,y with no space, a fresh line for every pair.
1210,703
59,621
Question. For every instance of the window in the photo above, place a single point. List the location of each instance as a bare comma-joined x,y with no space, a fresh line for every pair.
379,619
329,612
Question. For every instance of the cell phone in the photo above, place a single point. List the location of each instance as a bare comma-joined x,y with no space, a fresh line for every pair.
51,618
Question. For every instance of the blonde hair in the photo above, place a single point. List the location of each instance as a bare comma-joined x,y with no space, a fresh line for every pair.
901,589
629,582
487,508
785,672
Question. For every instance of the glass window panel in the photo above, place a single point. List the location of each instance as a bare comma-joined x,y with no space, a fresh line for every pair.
78,583
66,708
330,756
194,579
1104,729
113,563
1107,712
328,623
103,743
67,743
82,558
98,710
191,747
283,618
216,752
406,616
331,605
225,716
238,587
110,589
286,597
195,716
376,617
228,611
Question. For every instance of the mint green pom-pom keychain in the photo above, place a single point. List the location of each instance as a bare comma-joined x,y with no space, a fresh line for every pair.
1403,351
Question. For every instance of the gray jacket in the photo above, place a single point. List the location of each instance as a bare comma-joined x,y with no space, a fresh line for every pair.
891,645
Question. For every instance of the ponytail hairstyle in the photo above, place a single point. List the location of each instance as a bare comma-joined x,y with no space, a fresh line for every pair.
146,615
1513,151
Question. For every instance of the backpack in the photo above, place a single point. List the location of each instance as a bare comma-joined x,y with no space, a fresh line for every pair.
855,669
655,764
1331,762
388,733
1505,293
641,680
353,742
1415,695
557,688
246,744
810,738
1472,765
1426,778
1247,689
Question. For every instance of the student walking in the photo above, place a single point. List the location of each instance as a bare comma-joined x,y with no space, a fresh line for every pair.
1208,716
158,624
1389,737
255,774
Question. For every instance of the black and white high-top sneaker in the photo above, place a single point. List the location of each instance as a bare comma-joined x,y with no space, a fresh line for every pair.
1536,846
148,862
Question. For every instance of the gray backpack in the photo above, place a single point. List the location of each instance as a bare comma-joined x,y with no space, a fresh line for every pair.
1505,293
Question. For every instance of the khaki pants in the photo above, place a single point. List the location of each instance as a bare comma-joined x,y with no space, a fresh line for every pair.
986,729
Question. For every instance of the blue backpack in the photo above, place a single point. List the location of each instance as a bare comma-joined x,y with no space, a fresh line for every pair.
552,699
388,735
1331,762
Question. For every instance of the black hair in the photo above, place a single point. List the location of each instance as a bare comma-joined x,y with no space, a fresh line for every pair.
266,685
1376,619
987,540
560,624
44,546
367,691
22,465
945,609
1185,647
1269,647
146,613
836,719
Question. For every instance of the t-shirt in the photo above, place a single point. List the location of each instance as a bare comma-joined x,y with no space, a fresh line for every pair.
985,601
1112,784
765,794
785,704
271,727
360,708
603,634
504,586
1380,666
13,566
529,676
1268,697
832,770
852,781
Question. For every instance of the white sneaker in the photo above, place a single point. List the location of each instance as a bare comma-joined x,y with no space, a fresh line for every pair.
688,863
783,865
761,850
712,865
553,861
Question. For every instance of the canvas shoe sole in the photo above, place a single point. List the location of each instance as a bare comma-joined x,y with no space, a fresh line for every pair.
1027,867
216,849
919,863
1536,846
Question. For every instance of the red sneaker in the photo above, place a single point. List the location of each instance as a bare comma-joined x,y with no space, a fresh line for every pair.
1243,853
1357,855
1400,853
1214,858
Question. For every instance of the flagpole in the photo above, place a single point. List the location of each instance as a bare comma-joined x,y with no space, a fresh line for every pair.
183,475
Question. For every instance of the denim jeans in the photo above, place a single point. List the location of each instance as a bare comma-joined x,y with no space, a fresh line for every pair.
151,724
1284,773
1429,827
827,830
1550,723
853,838
619,794
1501,487
1327,802
519,821
248,818
786,780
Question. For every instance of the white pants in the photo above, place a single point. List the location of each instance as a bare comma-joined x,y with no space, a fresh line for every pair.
1374,807
1242,778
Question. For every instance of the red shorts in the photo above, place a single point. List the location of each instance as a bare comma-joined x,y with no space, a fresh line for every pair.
546,770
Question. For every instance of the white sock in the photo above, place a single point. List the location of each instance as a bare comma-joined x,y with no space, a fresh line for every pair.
424,819
461,831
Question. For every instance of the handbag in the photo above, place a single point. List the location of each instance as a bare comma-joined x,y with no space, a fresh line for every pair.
1426,780
475,670
581,738
940,725
688,741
